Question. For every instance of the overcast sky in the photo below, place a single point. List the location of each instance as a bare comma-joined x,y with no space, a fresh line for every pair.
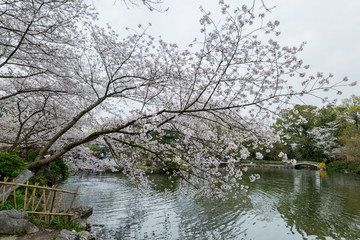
331,28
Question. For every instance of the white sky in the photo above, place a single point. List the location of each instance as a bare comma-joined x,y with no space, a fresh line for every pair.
331,28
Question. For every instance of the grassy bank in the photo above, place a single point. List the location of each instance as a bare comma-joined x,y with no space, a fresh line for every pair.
344,167
58,222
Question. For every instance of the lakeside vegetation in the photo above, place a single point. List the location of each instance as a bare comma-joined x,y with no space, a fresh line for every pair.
329,134
57,222
12,163
36,219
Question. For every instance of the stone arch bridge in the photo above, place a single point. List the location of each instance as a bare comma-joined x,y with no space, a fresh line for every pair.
308,163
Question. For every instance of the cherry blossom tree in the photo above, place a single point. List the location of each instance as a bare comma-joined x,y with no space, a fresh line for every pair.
38,39
66,82
152,5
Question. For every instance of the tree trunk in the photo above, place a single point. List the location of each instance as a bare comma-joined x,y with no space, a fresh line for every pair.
22,178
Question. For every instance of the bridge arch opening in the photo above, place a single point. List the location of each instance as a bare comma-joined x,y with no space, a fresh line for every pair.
306,166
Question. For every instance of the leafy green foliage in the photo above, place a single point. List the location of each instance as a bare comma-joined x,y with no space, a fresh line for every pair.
273,154
309,133
351,143
50,174
34,218
342,166
97,148
32,155
350,108
9,204
350,137
172,166
58,224
59,168
38,178
10,164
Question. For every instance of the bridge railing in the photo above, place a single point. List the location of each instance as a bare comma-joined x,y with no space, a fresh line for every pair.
321,165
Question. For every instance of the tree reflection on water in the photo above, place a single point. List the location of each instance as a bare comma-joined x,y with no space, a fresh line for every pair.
283,204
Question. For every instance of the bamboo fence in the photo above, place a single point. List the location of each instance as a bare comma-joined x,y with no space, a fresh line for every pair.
48,205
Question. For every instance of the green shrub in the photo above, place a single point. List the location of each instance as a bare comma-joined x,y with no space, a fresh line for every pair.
9,203
172,166
32,155
57,223
38,178
49,176
34,218
10,164
59,168
344,166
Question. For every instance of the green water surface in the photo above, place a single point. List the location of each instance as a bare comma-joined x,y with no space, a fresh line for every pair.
284,204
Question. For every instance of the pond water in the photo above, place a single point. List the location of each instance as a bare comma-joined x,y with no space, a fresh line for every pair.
283,204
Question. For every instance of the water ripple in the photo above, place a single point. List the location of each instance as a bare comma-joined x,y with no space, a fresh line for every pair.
284,204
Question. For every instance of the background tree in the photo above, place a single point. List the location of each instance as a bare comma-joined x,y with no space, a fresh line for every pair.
309,133
350,108
350,137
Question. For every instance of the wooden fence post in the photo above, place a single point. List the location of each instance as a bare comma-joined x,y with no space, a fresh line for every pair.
26,190
3,195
